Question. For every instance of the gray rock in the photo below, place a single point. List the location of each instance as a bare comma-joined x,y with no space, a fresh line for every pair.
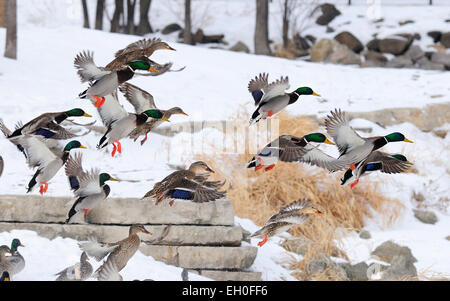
203,257
396,45
375,268
388,250
171,28
322,49
373,59
441,58
402,268
343,55
357,272
365,234
418,196
415,53
426,64
299,245
231,276
426,217
330,29
318,266
447,238
329,12
240,47
373,45
245,235
348,39
435,35
400,62
445,39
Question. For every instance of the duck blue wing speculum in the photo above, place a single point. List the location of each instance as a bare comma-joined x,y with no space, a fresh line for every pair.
182,194
257,95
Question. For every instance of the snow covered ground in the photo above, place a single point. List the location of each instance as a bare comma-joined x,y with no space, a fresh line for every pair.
212,87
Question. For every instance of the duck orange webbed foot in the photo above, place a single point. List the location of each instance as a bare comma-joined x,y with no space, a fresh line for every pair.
259,166
116,148
354,184
44,188
145,139
262,242
99,102
270,167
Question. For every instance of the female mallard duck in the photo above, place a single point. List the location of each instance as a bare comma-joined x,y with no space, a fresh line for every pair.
77,272
272,98
386,163
143,101
89,187
286,148
136,50
47,125
188,184
48,164
16,260
293,214
119,252
121,123
104,81
5,276
352,147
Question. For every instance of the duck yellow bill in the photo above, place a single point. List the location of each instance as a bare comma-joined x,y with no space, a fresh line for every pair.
409,162
315,94
170,48
113,179
82,146
183,113
152,69
407,140
87,115
21,245
328,142
165,119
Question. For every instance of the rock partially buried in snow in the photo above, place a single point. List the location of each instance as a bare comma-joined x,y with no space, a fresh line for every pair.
402,268
356,272
171,28
343,55
365,234
318,266
298,245
240,47
395,45
322,49
348,39
445,39
329,12
426,217
388,250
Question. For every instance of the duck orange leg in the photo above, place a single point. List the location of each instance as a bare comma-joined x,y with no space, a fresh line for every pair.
354,184
262,242
260,166
119,146
270,167
145,139
99,102
86,211
44,188
113,153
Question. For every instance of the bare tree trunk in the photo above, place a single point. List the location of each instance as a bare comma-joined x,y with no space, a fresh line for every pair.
187,39
131,4
262,27
144,26
99,14
11,29
118,11
286,24
85,14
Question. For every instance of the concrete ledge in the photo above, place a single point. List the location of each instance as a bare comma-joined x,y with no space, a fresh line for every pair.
231,276
32,208
172,234
199,257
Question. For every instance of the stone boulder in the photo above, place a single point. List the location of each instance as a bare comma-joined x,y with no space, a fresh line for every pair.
388,250
365,234
349,40
299,245
322,49
426,64
343,55
356,272
373,59
445,39
435,35
441,58
426,217
402,268
414,53
171,28
240,47
400,62
396,45
329,12
374,45
319,265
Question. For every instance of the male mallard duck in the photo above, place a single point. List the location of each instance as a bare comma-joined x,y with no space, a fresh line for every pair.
188,184
5,276
77,272
89,187
109,272
352,147
16,260
136,50
46,125
272,98
48,164
286,148
143,101
104,81
293,214
2,163
387,163
120,123
119,252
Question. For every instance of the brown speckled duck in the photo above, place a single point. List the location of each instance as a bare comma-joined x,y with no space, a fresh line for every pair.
119,252
293,214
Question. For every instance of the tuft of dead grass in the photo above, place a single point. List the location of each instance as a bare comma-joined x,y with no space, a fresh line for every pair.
258,195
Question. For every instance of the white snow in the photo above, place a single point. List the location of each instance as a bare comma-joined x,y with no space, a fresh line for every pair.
213,87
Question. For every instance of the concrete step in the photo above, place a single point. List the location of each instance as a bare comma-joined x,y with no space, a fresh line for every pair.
229,275
32,208
203,257
161,235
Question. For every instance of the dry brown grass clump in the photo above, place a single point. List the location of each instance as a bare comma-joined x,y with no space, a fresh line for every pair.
258,195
